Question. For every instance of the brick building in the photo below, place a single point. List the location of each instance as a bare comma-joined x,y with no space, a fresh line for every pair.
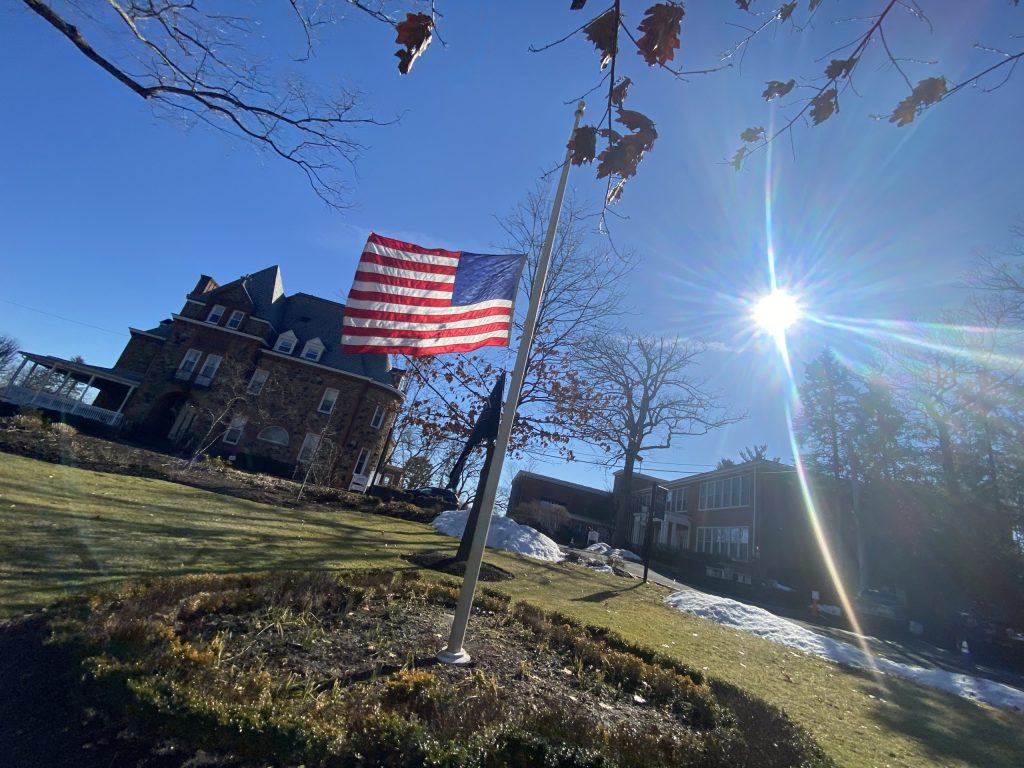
242,370
589,509
746,522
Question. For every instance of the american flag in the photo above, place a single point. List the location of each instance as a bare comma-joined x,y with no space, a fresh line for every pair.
426,301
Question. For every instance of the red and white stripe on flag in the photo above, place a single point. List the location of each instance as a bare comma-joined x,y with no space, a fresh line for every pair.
427,301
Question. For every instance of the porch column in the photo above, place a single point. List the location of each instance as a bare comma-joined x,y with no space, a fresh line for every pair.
46,383
31,371
17,373
81,397
125,401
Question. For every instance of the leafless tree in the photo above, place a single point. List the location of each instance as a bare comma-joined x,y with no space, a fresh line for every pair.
9,347
201,59
230,397
646,395
583,296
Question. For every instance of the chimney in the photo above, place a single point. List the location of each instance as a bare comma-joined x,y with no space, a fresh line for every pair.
205,285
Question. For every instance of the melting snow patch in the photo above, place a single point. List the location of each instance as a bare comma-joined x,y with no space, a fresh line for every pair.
604,549
757,621
504,533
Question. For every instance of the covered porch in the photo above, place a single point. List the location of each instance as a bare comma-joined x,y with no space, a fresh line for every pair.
70,388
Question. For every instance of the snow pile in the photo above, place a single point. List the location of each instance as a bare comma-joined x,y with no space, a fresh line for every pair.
504,533
604,549
756,621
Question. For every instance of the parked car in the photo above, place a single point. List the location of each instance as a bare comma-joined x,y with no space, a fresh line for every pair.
434,496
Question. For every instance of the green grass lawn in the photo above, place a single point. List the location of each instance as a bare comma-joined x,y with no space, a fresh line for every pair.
63,529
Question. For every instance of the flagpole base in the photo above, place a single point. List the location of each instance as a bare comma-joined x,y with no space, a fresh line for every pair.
454,657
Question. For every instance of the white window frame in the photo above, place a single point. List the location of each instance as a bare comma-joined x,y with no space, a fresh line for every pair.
378,417
234,431
333,401
314,346
263,432
257,382
308,449
361,462
725,493
235,320
216,314
286,343
730,541
207,378
188,363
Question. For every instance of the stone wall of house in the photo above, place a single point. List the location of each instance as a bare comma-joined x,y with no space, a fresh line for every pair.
290,400
138,353
160,383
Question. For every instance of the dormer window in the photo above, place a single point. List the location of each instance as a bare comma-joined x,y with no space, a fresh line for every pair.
215,314
313,350
235,321
285,343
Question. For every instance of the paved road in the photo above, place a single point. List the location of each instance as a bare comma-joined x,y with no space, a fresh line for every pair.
907,650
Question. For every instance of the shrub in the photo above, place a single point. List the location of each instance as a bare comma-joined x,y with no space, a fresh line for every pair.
28,420
63,429
217,464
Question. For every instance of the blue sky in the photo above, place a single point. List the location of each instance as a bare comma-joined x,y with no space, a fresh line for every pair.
109,210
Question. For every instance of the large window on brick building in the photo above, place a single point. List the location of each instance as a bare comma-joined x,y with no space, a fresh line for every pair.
215,314
209,369
234,431
308,448
188,364
259,378
725,492
724,541
328,400
378,417
235,321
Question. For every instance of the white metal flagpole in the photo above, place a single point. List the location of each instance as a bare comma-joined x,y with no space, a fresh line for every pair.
455,653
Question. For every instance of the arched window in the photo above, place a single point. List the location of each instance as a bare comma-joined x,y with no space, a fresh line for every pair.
275,435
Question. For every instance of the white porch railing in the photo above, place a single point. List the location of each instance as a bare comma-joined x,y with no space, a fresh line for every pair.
18,395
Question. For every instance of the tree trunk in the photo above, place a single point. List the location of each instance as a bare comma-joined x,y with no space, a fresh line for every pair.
623,518
474,513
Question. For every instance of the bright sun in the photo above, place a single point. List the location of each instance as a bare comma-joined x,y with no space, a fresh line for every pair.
776,312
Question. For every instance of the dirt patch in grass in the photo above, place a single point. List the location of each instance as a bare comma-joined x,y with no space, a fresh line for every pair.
303,669
445,562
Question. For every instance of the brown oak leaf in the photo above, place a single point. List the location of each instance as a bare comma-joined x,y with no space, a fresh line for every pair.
786,11
603,32
777,88
814,4
753,134
660,27
925,93
577,5
635,121
583,144
838,68
824,105
611,134
415,34
618,94
744,5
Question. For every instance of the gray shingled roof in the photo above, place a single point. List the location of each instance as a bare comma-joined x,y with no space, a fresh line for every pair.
308,317
311,317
